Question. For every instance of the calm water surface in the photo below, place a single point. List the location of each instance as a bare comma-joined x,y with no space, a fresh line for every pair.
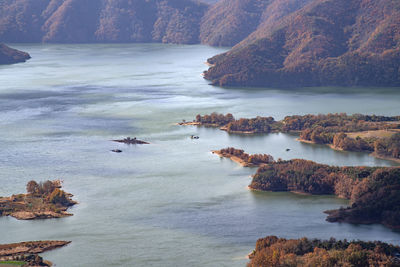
171,203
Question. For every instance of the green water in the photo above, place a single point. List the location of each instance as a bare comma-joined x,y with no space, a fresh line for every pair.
170,203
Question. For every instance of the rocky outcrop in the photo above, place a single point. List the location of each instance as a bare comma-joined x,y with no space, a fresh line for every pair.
27,252
33,247
10,56
131,141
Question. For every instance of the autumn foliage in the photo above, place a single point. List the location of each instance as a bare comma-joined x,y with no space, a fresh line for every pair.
272,251
49,191
255,159
242,125
215,119
316,43
43,200
332,129
374,192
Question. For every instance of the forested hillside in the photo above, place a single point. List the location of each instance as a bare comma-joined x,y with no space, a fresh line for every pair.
229,22
80,21
327,42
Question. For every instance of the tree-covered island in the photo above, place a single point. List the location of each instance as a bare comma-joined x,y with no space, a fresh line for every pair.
42,201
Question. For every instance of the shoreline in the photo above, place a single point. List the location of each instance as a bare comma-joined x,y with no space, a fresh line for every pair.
373,154
188,123
333,217
209,64
196,123
293,192
27,252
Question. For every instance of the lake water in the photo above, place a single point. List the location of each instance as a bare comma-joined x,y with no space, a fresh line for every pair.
170,203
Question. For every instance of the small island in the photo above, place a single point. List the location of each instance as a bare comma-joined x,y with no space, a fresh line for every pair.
42,201
131,141
279,252
26,253
9,55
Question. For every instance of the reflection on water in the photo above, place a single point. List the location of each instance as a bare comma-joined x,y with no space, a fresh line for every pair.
172,202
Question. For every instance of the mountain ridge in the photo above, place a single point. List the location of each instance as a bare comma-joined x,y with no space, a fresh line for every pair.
88,21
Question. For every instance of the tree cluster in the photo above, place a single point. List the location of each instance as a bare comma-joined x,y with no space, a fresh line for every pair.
388,146
254,125
41,188
340,140
375,199
255,159
272,251
215,118
338,122
49,191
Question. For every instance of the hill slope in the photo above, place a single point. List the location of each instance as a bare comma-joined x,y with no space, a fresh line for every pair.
10,56
327,42
229,22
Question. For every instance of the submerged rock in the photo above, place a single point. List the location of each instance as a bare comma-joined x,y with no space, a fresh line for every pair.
131,141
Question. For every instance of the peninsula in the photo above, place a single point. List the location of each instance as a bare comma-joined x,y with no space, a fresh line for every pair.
244,159
26,253
377,135
42,201
374,192
274,251
9,55
241,126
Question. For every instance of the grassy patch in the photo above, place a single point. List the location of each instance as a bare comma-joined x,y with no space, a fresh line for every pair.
11,263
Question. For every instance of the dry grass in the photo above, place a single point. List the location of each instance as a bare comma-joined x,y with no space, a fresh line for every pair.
374,134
